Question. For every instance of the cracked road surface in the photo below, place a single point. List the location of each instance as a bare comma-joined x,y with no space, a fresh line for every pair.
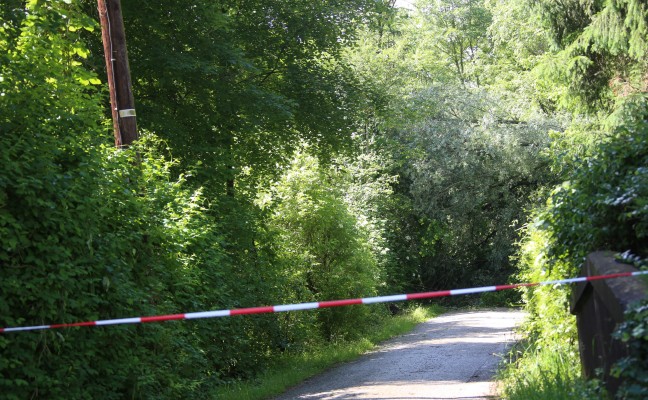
453,356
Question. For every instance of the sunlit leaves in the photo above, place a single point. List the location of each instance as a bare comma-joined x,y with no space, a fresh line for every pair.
456,30
323,246
87,235
602,51
244,81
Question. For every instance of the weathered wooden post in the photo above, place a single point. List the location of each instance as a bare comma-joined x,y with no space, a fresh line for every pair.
122,102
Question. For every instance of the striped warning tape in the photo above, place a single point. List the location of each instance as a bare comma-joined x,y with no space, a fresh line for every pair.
321,304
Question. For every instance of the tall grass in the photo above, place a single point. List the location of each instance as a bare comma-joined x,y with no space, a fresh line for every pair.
550,372
290,368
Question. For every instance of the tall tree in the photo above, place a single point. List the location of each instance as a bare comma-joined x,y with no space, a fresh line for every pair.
457,31
602,50
243,81
467,153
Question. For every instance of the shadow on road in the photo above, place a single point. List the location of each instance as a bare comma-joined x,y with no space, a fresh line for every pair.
453,356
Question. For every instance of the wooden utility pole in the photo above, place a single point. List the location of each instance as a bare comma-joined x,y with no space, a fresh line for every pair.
122,103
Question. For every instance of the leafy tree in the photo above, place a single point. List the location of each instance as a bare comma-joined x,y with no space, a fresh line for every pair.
467,158
473,174
602,50
456,30
243,81
519,44
235,86
324,248
88,236
603,206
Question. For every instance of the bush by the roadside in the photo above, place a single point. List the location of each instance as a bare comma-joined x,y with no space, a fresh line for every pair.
633,369
602,205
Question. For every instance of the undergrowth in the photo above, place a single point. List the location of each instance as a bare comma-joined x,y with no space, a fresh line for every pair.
603,206
550,372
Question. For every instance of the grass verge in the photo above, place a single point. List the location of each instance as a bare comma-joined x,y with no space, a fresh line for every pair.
546,370
284,373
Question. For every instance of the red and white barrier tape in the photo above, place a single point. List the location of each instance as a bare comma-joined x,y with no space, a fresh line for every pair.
321,304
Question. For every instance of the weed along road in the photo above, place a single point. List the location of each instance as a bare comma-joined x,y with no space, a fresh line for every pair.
453,356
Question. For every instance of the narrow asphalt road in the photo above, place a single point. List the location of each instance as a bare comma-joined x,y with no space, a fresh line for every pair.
453,356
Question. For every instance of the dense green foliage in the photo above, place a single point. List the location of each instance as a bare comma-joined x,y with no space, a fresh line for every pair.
604,205
239,84
466,148
632,369
600,207
596,67
323,251
602,50
90,232
304,151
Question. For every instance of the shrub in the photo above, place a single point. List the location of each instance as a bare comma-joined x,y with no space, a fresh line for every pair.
89,232
634,368
603,206
324,252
